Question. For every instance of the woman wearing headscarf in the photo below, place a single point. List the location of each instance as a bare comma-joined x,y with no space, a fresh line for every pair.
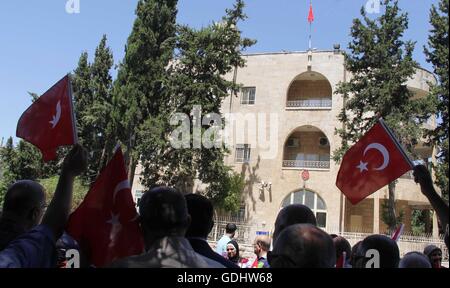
233,252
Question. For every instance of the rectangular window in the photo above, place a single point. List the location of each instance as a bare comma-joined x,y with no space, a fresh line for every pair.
248,95
321,219
242,153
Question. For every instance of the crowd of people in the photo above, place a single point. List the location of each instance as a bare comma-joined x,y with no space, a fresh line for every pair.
175,228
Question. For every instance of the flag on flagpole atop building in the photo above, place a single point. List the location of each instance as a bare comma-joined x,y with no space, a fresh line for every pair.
310,14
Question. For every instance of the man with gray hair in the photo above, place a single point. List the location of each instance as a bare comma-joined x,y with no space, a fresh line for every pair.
261,246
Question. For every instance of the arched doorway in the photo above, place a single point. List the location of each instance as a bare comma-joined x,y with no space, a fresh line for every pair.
310,199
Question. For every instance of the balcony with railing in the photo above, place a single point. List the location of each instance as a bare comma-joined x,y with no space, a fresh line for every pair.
306,148
310,103
306,164
309,90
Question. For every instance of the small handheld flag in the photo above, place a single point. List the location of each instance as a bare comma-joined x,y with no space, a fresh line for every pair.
106,222
49,122
398,232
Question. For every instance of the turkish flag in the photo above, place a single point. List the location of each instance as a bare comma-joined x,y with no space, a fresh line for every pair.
373,162
49,123
106,222
310,14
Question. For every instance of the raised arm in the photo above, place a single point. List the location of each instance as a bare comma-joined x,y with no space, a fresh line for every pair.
423,177
58,210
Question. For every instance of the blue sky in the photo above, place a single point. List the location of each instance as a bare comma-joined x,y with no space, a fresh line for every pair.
40,41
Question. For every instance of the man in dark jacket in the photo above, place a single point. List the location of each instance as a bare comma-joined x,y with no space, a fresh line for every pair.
201,210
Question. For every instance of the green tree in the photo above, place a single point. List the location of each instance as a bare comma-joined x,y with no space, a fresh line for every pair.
7,159
21,162
196,77
437,54
139,91
380,62
92,85
99,110
83,99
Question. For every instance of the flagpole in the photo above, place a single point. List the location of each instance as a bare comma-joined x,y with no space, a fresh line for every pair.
394,139
72,108
310,28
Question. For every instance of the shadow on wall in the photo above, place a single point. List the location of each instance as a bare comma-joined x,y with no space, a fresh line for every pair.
251,178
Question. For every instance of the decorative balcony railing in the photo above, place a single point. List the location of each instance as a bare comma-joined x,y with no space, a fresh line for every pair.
306,164
310,103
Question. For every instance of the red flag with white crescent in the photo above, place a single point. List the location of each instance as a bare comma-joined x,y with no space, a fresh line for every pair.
49,122
106,222
373,162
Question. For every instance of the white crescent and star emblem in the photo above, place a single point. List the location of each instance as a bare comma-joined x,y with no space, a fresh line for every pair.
114,221
57,116
363,165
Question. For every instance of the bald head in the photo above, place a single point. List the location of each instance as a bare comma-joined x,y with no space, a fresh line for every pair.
22,197
261,245
293,214
163,212
303,246
414,260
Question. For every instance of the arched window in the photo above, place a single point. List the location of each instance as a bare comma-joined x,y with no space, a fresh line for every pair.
312,200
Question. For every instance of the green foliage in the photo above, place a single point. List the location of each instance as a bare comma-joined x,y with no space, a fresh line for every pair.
169,69
380,63
386,217
79,189
203,57
437,54
92,85
227,193
140,91
418,219
21,162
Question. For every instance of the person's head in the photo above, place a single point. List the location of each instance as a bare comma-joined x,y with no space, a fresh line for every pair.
64,243
163,212
230,229
342,245
261,245
293,214
233,250
379,244
434,254
354,253
25,202
414,260
201,211
303,246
